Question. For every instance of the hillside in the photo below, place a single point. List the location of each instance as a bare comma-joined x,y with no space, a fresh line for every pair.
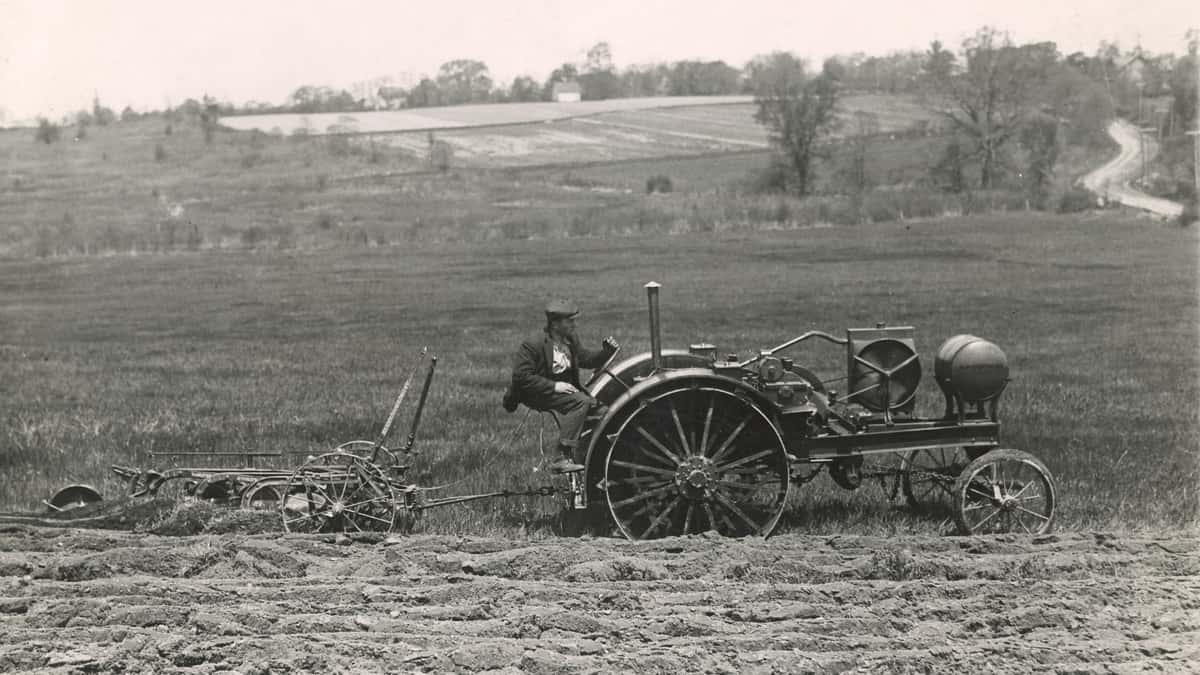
155,184
527,134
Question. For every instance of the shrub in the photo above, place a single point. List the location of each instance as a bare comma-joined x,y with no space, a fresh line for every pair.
160,153
659,183
1075,199
1190,214
47,132
569,179
771,179
252,235
194,239
325,221
339,145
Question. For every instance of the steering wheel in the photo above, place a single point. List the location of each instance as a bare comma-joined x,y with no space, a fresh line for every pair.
603,370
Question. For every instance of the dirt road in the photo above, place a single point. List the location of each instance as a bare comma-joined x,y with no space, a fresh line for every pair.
105,602
1113,179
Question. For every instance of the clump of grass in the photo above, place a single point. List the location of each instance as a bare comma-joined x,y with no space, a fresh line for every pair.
659,183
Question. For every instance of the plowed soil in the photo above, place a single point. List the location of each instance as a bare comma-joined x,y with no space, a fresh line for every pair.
96,601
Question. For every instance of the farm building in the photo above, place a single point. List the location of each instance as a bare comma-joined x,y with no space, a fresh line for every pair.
567,92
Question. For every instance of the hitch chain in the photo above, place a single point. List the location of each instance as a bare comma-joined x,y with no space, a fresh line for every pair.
889,476
544,491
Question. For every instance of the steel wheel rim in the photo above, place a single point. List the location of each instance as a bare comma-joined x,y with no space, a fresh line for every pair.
1007,495
694,459
338,493
263,497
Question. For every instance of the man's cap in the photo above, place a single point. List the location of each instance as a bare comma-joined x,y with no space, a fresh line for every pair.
561,309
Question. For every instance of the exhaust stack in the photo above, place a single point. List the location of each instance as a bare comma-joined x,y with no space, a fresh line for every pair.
655,325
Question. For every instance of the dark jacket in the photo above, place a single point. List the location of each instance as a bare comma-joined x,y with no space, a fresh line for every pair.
532,382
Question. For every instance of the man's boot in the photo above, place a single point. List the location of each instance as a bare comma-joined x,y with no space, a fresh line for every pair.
565,462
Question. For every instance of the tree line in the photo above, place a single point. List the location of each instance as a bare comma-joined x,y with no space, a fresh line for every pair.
1009,110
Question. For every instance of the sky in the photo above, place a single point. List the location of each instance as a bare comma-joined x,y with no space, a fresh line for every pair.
56,55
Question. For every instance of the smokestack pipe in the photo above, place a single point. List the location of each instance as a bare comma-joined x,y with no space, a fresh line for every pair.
655,325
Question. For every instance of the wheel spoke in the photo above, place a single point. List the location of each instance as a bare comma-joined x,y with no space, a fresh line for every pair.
703,449
308,516
687,448
728,444
378,499
979,524
367,515
662,517
643,481
642,467
737,511
1023,489
651,454
980,493
662,448
687,518
1032,513
643,495
744,460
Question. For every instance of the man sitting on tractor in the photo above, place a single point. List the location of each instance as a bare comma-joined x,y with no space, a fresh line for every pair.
545,377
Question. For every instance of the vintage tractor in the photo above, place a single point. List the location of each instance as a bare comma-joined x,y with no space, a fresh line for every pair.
691,442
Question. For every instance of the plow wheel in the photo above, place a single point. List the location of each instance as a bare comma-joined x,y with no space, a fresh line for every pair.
927,477
693,459
338,492
263,495
378,455
1005,491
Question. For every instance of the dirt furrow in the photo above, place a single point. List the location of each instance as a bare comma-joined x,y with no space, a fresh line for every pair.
88,601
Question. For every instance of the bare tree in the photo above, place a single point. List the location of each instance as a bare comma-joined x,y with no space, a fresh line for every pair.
798,111
990,94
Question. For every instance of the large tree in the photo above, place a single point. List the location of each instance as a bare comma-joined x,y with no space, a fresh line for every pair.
464,81
797,109
524,89
990,93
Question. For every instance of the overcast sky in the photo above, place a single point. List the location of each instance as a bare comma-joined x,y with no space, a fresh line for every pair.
54,54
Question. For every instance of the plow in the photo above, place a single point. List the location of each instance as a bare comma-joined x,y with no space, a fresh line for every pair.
688,441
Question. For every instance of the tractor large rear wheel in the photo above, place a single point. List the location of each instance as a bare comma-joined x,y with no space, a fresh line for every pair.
693,458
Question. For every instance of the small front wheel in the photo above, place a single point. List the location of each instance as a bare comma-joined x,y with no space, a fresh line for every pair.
1005,491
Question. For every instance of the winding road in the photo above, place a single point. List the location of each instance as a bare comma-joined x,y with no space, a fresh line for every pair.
1112,180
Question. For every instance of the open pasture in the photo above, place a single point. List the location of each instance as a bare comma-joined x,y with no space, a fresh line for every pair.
638,133
107,359
154,184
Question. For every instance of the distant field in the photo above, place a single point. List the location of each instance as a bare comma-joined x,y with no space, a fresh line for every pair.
499,135
153,184
107,359
424,119
637,134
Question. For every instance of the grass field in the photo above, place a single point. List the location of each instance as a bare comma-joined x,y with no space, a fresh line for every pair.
107,359
154,185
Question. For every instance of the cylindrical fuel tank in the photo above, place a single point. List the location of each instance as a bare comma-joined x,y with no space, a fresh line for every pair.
971,367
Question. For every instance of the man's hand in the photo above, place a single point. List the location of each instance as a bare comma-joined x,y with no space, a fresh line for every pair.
564,388
610,343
